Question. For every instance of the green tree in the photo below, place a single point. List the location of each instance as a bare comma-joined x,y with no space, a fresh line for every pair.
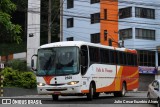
55,21
9,31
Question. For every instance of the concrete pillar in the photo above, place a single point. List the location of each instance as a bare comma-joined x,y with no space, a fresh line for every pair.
33,29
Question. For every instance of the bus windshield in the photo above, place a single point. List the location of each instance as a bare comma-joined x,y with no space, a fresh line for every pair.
58,61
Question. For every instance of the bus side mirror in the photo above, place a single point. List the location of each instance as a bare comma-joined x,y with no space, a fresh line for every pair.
32,63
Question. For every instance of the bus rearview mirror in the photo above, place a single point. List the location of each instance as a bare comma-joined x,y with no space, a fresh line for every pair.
32,63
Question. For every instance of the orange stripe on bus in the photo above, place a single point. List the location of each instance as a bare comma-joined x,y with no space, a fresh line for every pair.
135,81
85,91
133,75
118,79
48,79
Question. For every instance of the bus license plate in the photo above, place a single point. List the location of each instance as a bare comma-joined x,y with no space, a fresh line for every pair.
57,92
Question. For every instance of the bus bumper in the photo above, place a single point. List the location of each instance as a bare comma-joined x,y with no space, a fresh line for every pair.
59,89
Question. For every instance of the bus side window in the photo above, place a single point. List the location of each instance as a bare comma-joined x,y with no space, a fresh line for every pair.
112,57
84,59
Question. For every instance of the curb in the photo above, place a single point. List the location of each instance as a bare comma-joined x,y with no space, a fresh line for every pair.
137,91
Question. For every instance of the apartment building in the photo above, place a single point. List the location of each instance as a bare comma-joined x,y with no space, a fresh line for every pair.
91,21
139,27
134,23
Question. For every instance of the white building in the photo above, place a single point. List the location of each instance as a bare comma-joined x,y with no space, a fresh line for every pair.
76,20
139,26
137,22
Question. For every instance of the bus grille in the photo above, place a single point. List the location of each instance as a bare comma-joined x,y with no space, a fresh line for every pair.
56,84
56,89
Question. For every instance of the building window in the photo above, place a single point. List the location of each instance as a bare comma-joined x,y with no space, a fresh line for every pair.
70,39
105,14
95,18
105,35
70,22
145,34
95,38
70,4
146,58
94,55
125,12
94,1
110,42
145,13
125,34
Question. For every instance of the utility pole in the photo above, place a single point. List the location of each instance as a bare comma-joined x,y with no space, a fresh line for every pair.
49,21
61,20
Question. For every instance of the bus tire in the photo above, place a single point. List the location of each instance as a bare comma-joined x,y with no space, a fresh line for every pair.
122,92
55,97
91,92
96,95
148,95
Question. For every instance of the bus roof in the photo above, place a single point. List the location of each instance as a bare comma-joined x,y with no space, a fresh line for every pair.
80,43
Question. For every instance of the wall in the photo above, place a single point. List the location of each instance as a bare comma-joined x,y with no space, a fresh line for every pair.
111,23
22,55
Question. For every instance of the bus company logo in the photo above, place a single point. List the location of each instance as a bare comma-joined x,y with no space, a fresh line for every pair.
6,101
103,70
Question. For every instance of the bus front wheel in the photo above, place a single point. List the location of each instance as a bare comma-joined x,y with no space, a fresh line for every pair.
55,97
91,92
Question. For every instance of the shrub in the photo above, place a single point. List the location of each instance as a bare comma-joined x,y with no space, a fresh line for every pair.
17,64
14,78
28,80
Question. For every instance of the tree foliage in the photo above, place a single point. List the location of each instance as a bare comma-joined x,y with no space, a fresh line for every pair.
9,31
55,22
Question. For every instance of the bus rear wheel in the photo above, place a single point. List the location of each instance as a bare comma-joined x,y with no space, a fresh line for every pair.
55,97
122,92
96,95
91,92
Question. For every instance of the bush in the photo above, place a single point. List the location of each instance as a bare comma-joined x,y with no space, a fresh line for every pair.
17,64
28,80
14,78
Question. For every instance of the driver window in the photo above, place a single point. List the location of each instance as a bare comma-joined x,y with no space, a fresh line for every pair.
66,58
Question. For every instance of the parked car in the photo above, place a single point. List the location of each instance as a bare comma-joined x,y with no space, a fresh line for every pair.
154,89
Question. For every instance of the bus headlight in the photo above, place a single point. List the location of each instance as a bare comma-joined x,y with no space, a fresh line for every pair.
73,82
40,84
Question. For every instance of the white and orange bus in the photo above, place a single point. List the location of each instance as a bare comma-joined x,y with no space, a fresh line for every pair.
82,68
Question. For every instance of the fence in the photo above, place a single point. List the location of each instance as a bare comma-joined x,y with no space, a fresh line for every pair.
1,79
1,86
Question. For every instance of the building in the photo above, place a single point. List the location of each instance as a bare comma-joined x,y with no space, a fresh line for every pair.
90,20
116,22
139,29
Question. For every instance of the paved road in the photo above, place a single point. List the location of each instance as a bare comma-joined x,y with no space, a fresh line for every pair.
72,101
